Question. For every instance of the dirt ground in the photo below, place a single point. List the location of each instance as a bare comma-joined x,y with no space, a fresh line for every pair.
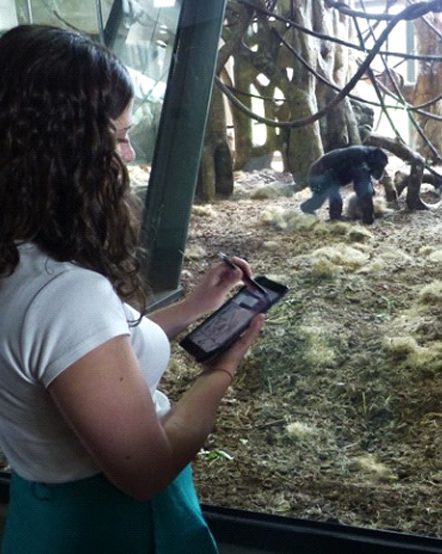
336,413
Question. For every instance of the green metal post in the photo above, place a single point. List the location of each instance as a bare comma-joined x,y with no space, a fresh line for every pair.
179,142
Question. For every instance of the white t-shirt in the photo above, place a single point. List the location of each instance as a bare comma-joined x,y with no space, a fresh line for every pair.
51,314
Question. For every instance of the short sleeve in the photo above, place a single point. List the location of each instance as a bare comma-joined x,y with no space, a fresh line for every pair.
75,312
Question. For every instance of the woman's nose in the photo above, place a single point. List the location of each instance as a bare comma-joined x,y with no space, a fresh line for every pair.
126,151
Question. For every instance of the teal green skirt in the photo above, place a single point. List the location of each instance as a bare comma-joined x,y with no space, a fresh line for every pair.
91,516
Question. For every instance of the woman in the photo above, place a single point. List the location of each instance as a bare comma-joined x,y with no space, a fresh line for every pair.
99,458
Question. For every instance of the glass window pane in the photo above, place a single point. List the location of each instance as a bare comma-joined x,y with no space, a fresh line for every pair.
142,33
145,42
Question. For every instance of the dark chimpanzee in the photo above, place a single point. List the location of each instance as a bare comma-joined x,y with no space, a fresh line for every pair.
337,168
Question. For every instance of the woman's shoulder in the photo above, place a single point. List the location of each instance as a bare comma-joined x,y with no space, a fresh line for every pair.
41,266
31,256
40,278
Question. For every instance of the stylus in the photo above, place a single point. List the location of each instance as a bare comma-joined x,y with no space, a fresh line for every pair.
248,280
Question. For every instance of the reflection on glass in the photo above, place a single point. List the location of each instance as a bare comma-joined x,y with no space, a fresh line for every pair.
144,42
142,34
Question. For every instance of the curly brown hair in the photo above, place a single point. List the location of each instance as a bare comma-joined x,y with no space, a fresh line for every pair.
63,185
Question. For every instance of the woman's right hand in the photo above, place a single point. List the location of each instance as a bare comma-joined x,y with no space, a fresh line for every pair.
229,360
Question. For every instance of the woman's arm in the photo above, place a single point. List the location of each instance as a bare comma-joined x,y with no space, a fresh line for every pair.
107,403
208,295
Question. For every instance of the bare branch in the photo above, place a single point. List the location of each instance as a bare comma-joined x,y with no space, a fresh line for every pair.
337,40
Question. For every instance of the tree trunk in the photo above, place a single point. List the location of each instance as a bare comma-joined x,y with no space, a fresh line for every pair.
243,75
414,180
414,201
304,143
339,127
429,84
216,171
